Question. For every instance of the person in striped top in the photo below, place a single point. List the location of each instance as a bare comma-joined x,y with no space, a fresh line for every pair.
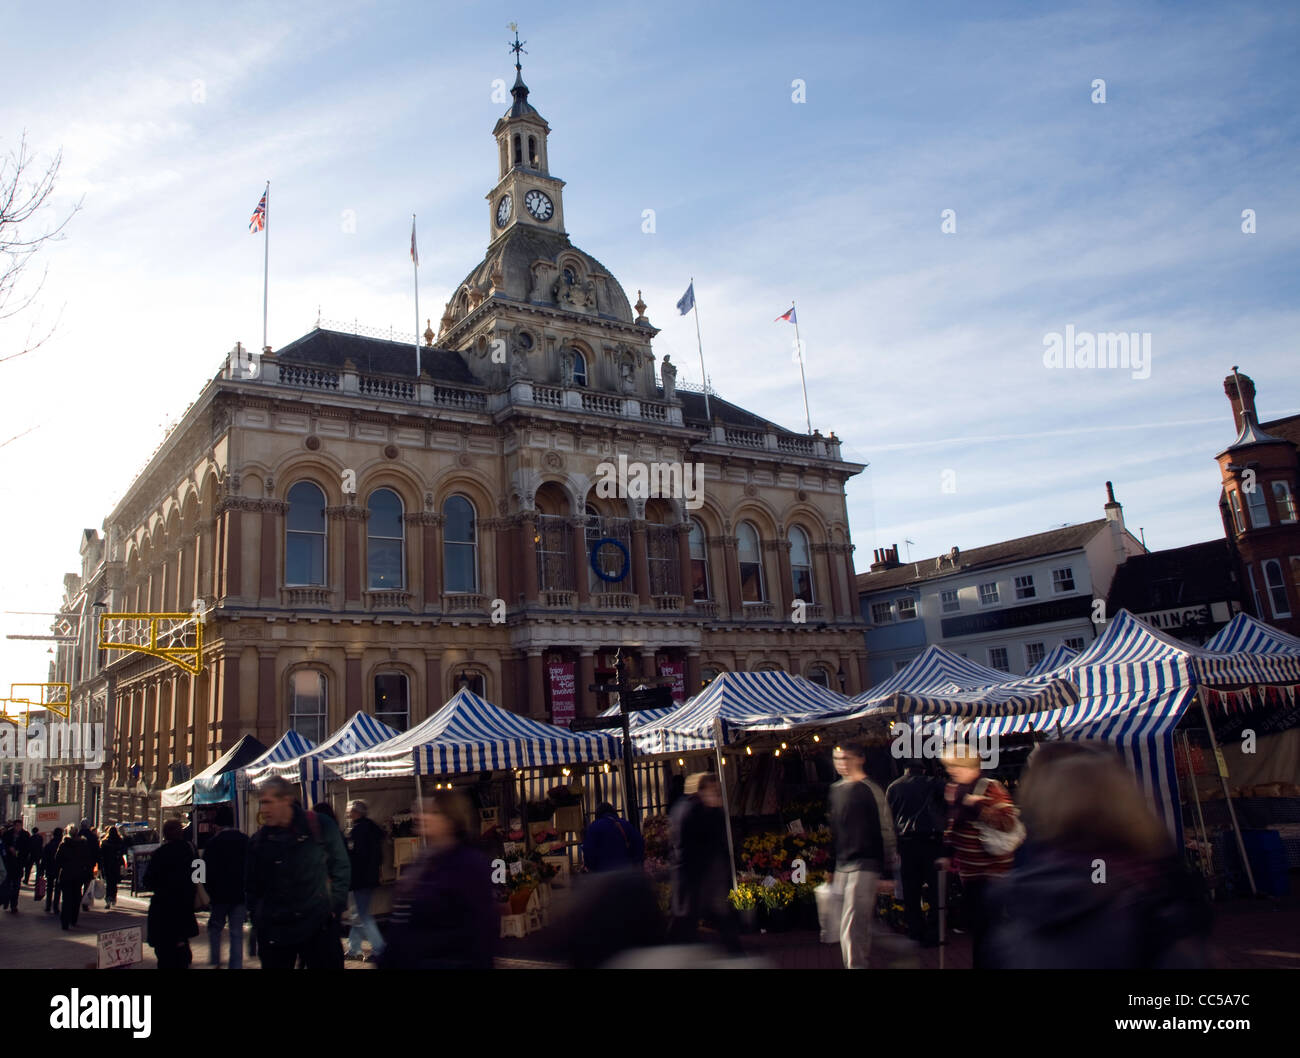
974,799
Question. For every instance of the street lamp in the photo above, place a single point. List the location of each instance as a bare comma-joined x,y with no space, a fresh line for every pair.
842,678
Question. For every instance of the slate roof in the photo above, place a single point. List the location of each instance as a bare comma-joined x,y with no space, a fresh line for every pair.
1039,545
1180,576
375,356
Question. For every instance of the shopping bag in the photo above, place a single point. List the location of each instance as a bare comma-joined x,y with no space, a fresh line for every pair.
97,889
87,898
830,912
40,887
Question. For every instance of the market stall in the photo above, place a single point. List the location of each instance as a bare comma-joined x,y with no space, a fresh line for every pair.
192,793
232,786
362,731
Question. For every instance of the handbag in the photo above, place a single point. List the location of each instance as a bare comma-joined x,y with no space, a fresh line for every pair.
40,887
830,911
97,889
999,842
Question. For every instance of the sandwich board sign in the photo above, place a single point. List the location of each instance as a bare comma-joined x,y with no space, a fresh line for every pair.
120,947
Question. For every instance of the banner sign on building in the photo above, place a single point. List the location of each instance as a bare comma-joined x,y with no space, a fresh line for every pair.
677,670
564,703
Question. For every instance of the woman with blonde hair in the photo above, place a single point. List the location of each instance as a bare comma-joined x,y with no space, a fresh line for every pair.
1099,884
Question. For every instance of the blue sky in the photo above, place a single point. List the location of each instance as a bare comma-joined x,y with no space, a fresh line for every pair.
924,349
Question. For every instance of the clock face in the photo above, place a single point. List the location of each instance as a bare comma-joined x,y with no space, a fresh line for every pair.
539,205
503,211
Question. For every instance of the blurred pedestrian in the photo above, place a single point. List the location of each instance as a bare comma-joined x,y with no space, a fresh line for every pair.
365,853
296,882
32,853
75,864
611,842
975,806
170,878
12,845
916,803
863,848
614,913
444,914
226,860
701,864
92,839
112,858
1099,884
324,808
51,872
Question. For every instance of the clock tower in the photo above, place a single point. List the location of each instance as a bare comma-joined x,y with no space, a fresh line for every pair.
525,193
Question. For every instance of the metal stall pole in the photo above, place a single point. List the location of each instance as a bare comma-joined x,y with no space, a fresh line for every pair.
1221,768
726,800
1196,799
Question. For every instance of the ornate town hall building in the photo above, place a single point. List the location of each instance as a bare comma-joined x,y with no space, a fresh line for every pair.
363,539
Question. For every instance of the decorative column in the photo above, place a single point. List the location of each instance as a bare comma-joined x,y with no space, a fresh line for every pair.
204,586
693,677
353,519
536,686
684,562
430,532
354,692
433,700
504,550
586,677
641,563
232,521
782,550
832,565
268,725
851,610
227,721
273,512
581,579
731,570
528,561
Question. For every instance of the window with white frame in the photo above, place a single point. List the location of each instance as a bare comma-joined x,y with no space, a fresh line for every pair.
1063,579
1074,643
906,608
1258,507
882,613
1025,586
749,556
307,704
1034,653
989,593
1276,588
699,563
998,659
1254,591
1234,502
801,574
1284,501
949,601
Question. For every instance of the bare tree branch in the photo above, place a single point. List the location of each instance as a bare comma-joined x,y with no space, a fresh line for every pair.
25,191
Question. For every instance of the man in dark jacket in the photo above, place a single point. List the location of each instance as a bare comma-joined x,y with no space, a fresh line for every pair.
51,872
14,845
611,842
701,864
226,860
863,848
32,853
296,881
75,864
170,878
92,839
916,802
365,854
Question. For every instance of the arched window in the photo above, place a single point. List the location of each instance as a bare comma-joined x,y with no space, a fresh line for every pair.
699,562
579,369
1276,587
532,152
307,704
801,574
518,154
385,539
304,551
819,676
459,545
472,681
611,559
750,556
392,700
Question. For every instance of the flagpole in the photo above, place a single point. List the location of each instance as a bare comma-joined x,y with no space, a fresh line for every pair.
799,346
266,258
415,264
695,304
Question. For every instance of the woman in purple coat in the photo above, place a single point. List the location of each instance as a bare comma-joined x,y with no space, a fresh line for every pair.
445,914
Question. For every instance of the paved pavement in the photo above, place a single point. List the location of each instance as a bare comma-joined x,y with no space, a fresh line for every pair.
1262,934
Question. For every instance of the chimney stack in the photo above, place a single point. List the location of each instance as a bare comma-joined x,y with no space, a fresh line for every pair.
1241,395
885,558
1114,511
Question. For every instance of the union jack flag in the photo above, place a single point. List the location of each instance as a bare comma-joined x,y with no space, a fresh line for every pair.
258,221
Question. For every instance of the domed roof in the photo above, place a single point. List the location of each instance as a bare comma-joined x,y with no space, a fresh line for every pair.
522,255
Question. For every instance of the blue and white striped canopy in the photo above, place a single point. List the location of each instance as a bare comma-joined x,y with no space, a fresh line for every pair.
1275,654
469,734
361,732
246,749
744,702
642,717
934,669
1057,658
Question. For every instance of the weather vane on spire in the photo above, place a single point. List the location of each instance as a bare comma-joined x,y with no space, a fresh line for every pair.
518,46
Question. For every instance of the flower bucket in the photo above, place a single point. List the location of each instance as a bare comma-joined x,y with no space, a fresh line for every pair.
748,919
519,900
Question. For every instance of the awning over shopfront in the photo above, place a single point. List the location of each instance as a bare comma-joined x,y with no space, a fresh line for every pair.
247,749
469,734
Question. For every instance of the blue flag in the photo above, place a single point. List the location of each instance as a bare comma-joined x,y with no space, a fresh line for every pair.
687,301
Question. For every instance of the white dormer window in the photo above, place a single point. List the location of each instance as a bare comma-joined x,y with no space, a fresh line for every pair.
1063,579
